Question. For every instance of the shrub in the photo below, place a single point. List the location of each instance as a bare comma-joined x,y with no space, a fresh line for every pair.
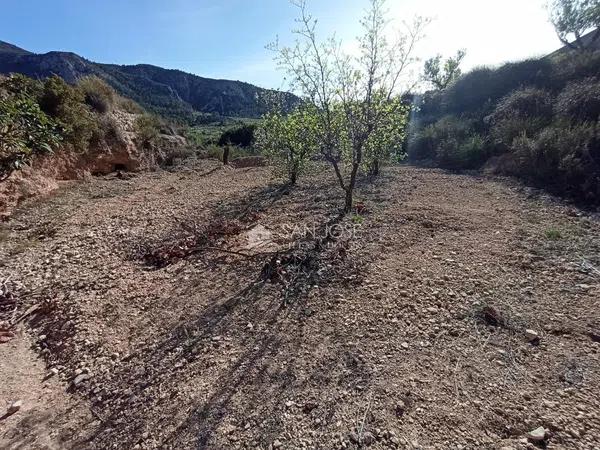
420,145
242,136
468,92
109,132
17,84
468,153
25,129
563,158
573,66
147,128
543,133
580,101
66,105
451,143
97,94
425,143
128,105
553,234
524,111
523,104
213,151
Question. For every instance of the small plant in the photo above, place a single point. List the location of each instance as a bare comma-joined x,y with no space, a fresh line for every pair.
553,234
128,105
357,219
147,127
97,94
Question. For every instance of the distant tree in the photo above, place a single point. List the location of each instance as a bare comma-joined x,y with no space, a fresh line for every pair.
350,96
441,76
242,136
573,18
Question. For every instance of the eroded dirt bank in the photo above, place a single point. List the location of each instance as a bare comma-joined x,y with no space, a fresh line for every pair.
454,312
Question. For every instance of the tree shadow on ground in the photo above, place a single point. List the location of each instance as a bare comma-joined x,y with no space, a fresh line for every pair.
148,384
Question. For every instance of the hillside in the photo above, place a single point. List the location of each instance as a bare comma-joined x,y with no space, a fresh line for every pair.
534,119
171,93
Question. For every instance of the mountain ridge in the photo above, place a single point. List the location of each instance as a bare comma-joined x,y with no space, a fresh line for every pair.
169,92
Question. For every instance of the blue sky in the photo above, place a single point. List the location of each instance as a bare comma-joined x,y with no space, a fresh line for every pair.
226,38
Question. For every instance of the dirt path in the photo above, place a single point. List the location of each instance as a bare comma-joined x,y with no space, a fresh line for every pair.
408,331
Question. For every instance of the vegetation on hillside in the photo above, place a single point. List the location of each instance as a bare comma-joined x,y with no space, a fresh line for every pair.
535,119
38,116
24,128
173,94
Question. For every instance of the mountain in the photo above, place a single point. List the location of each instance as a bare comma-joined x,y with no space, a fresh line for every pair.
167,92
5,47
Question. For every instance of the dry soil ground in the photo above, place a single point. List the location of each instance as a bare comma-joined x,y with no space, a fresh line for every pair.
192,309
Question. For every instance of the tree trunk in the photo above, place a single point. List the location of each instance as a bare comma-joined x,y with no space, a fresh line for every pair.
348,203
350,188
374,168
226,155
338,173
293,177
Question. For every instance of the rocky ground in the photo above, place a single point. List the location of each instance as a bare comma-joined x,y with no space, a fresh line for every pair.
193,309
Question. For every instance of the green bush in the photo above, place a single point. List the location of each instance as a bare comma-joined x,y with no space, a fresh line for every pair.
451,143
563,158
524,103
25,129
147,128
213,151
66,105
483,87
97,94
128,105
574,66
468,153
580,101
523,112
108,132
426,143
537,116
